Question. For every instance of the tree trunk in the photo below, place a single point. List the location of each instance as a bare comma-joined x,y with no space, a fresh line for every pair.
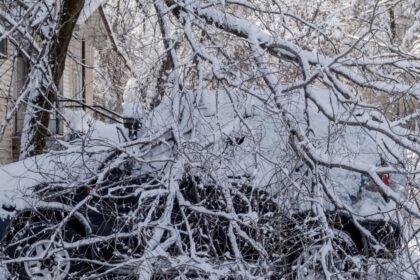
35,135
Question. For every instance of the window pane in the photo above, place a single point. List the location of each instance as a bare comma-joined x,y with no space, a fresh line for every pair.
3,48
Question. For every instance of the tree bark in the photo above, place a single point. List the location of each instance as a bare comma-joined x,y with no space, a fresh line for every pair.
34,138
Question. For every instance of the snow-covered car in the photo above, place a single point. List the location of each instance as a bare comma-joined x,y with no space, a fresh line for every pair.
74,230
79,230
188,198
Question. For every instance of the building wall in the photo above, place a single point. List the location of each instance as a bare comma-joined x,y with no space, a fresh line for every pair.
78,83
89,72
6,91
95,35
72,76
13,76
92,33
6,150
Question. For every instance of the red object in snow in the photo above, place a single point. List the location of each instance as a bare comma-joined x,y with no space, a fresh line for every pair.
386,179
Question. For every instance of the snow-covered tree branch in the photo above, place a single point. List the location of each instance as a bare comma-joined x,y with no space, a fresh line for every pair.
262,140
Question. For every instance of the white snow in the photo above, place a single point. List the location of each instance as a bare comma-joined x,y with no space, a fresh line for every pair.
132,105
82,121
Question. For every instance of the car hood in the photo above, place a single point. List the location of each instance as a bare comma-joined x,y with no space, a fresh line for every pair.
69,168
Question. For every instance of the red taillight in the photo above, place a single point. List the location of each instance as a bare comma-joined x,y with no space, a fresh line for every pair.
88,190
386,179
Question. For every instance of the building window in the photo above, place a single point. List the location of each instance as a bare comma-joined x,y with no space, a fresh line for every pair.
77,86
22,70
3,48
